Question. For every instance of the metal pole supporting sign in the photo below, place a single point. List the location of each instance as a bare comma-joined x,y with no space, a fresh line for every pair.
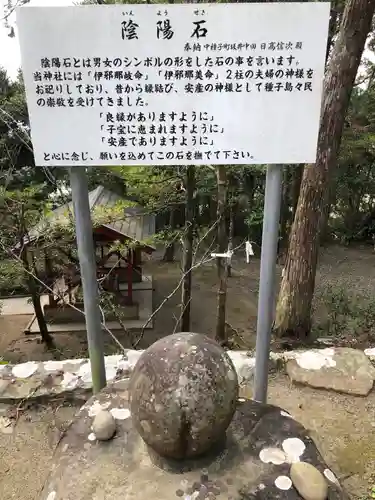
266,301
86,254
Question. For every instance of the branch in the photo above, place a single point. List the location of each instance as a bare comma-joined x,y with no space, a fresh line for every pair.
17,4
168,297
236,332
210,229
13,130
121,323
62,297
180,316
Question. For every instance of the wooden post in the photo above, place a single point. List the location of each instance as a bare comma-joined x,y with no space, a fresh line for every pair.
48,269
130,276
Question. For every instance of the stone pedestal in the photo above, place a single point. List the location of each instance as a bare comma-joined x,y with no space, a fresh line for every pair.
252,462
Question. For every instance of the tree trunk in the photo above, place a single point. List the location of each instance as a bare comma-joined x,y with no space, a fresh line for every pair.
285,210
35,298
293,314
188,248
249,189
297,173
213,209
232,211
169,250
221,336
324,232
334,24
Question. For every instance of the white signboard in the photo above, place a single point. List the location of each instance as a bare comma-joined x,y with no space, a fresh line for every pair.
174,84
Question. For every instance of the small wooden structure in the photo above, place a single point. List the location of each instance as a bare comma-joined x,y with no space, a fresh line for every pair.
117,270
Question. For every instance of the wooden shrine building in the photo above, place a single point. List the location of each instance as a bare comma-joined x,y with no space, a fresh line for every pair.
120,237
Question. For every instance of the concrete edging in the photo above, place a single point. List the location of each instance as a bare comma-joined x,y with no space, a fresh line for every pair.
35,379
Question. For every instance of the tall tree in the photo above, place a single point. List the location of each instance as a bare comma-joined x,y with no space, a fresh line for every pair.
337,8
293,315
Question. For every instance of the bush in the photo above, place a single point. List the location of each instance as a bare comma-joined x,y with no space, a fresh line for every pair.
12,278
348,313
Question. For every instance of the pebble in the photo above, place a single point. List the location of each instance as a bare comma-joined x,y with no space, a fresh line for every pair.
104,425
308,481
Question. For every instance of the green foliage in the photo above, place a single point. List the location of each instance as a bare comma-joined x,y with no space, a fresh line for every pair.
16,157
20,210
348,314
12,278
153,187
254,219
353,207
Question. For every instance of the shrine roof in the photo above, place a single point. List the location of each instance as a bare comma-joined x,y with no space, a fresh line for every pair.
108,210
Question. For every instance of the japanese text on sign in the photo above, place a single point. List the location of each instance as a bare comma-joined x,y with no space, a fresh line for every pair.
174,84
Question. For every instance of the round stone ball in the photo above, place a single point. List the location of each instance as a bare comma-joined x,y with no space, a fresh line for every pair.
183,394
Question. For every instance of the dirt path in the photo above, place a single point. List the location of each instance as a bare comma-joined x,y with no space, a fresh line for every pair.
342,427
11,329
25,455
